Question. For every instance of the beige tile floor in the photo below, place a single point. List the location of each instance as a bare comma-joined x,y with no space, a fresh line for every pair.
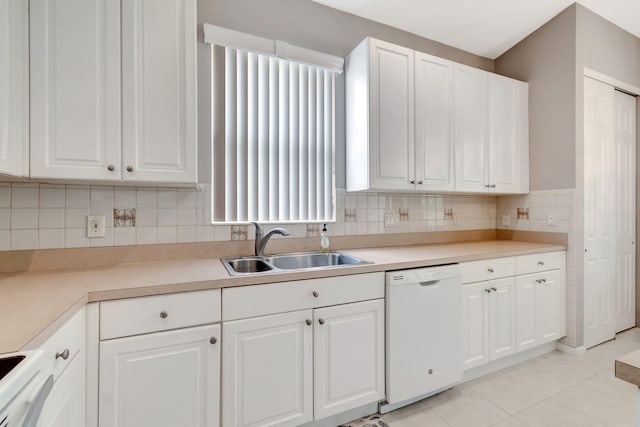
553,390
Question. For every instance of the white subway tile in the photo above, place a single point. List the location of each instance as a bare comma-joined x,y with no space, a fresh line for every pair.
168,199
50,238
124,198
107,240
205,233
186,199
24,218
75,238
101,198
77,198
146,198
146,235
24,239
76,218
52,197
123,236
5,219
5,240
186,234
5,197
24,197
187,216
167,217
167,234
51,218
222,233
146,217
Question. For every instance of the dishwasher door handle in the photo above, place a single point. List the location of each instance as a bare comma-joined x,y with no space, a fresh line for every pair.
429,283
33,415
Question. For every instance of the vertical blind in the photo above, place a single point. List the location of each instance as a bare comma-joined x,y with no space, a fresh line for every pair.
274,162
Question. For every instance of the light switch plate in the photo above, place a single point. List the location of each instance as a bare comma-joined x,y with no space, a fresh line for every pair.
95,226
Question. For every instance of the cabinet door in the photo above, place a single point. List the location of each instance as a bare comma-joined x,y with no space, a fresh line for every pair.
527,311
391,115
75,89
470,118
163,379
502,338
348,357
434,123
508,134
550,303
267,370
14,92
65,405
159,90
475,309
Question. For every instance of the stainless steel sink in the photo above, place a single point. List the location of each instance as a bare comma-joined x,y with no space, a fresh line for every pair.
288,262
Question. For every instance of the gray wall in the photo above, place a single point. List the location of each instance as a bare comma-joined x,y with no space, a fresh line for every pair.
547,60
312,26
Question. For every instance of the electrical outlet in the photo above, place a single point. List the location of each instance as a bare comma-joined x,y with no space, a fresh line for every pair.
506,220
551,220
391,220
95,226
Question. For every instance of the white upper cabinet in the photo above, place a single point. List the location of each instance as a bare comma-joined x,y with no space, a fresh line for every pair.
113,90
470,105
13,87
508,135
434,123
380,116
416,122
159,90
75,89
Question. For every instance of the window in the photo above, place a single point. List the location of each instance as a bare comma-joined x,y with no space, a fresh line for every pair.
273,136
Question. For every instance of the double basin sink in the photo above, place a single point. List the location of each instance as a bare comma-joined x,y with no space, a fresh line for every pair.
289,262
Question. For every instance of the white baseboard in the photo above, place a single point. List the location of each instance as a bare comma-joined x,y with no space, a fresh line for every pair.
574,351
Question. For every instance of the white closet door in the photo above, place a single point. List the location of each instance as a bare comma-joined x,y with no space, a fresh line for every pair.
75,89
159,90
625,205
599,239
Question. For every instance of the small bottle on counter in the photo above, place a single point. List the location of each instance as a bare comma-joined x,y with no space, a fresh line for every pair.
324,239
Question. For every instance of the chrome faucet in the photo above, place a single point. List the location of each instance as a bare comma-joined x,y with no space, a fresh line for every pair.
262,239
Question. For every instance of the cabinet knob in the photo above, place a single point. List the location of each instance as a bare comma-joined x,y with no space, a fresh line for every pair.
316,294
213,340
487,290
492,186
413,181
129,168
487,185
321,321
490,270
494,289
540,263
420,182
164,314
308,322
111,168
64,354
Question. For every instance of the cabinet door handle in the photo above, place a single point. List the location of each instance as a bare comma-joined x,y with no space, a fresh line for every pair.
494,289
321,321
487,290
487,185
541,263
64,355
308,322
129,168
111,168
490,270
420,182
316,294
413,181
164,314
213,340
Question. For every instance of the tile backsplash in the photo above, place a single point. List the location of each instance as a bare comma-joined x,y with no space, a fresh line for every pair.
43,216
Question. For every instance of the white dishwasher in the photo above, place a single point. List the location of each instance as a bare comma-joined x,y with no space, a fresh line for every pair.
424,343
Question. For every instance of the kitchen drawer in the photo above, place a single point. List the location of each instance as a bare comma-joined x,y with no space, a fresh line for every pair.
259,300
488,269
68,341
142,315
526,264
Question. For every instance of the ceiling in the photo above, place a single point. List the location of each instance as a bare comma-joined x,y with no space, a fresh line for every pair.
484,27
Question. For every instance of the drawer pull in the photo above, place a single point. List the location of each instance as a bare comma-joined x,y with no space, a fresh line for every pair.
309,322
494,289
487,290
316,294
213,340
321,321
540,263
490,270
541,281
164,314
64,354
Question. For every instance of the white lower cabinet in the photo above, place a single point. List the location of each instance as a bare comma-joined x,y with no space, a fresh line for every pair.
161,379
65,406
348,356
540,309
291,368
489,321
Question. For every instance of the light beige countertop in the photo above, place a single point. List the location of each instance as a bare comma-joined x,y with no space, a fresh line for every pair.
34,304
628,368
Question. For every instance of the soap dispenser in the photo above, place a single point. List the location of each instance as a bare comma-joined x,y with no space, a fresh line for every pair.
324,239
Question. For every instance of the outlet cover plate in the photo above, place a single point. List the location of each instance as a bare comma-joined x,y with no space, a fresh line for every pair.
506,220
95,226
